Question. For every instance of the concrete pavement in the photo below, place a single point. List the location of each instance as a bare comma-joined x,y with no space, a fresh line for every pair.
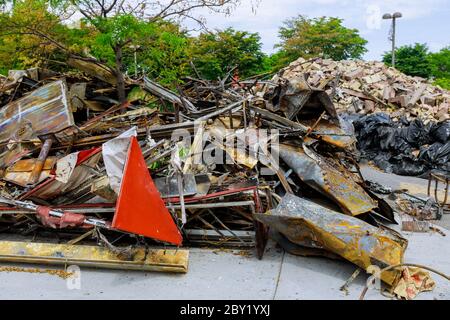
215,274
415,186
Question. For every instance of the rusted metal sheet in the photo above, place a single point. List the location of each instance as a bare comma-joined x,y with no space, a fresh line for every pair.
332,182
298,97
28,165
304,249
21,171
43,111
294,97
303,221
143,259
333,134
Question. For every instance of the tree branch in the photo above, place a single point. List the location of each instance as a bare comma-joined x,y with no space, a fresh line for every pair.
182,8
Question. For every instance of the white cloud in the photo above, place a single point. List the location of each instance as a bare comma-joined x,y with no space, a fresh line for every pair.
270,15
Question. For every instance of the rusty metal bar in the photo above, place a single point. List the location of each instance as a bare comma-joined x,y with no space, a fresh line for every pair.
143,259
40,161
439,178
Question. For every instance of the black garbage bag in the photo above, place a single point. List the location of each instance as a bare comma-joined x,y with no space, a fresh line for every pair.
437,154
440,131
391,139
391,145
369,128
416,133
408,165
382,160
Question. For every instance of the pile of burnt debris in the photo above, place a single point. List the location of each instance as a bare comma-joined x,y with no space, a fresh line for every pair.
85,179
366,87
402,123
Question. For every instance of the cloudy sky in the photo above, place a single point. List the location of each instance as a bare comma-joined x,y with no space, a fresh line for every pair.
424,21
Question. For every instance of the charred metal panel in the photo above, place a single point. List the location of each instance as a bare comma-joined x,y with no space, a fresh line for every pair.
303,221
334,183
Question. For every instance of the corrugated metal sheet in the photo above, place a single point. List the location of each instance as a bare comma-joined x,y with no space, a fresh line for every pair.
45,110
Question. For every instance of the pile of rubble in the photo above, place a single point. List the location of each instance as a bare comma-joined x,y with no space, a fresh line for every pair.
214,164
370,87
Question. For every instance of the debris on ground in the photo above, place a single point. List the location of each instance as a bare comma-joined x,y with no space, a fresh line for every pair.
366,87
92,181
309,224
412,282
63,274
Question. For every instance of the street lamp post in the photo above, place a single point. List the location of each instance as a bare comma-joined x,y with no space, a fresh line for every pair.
393,17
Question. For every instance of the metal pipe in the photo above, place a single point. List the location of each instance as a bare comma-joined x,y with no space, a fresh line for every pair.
40,161
112,209
52,212
393,41
392,17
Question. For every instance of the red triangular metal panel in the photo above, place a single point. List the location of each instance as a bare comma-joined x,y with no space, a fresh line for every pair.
139,208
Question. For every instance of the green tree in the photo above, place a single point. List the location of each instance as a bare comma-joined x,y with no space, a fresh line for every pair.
164,55
440,67
119,22
277,61
323,36
115,33
30,36
411,60
215,54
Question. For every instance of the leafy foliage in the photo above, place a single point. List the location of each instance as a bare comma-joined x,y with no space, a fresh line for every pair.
411,60
20,45
443,83
416,60
164,55
215,54
278,60
110,31
120,31
33,34
440,67
163,47
324,36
